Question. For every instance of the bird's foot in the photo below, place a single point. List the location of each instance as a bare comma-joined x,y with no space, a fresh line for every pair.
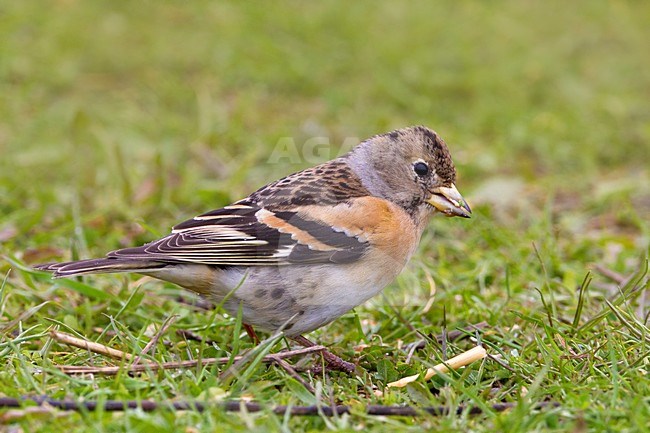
251,333
332,362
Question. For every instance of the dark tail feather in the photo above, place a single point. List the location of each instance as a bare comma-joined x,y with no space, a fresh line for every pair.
99,266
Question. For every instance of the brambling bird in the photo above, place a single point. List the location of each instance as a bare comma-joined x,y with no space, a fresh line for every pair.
303,250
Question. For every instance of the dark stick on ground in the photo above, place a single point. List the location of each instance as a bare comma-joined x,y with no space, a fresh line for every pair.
236,406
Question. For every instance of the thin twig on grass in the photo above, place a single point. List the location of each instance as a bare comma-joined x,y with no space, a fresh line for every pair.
101,349
152,366
293,373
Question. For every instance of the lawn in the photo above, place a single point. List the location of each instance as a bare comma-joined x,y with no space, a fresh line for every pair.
120,119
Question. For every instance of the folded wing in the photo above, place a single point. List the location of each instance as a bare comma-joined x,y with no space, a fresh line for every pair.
246,234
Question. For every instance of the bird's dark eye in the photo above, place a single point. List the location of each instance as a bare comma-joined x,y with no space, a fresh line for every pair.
421,168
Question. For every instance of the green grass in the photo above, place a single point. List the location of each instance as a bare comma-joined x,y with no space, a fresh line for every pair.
121,119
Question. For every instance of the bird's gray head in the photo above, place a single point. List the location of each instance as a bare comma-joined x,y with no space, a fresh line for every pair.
410,167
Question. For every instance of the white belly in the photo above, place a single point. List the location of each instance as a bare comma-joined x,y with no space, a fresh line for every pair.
299,298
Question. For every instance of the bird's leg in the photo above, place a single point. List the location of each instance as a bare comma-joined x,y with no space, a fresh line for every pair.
251,333
332,361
